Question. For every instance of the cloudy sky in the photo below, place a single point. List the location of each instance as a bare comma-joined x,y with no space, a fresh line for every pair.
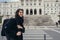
8,0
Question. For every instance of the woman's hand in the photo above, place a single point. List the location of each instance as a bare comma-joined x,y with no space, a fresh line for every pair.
19,26
18,33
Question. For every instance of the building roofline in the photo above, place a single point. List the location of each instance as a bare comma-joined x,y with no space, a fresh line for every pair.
9,2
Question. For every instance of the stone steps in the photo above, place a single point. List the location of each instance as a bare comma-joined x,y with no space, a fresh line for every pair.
43,20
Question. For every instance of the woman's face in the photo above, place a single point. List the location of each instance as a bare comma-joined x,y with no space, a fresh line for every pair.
20,13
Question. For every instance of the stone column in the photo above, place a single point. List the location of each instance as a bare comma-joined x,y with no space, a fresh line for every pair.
37,11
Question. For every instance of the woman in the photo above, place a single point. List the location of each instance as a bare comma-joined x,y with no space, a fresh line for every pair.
15,28
20,19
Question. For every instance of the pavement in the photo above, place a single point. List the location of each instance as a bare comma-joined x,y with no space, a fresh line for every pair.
40,34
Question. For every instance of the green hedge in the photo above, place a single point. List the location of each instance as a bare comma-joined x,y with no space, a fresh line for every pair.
0,19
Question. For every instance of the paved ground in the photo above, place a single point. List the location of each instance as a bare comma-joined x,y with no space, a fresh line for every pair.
38,34
55,34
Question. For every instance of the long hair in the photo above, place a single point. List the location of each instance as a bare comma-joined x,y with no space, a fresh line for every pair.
17,11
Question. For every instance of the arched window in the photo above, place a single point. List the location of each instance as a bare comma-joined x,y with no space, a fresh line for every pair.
27,11
40,11
31,11
35,11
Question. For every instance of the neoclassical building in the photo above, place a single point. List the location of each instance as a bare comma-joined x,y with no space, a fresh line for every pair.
31,7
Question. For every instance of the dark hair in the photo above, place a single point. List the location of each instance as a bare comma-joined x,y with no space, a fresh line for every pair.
17,11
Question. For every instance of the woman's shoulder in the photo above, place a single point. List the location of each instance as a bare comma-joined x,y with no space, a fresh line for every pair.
12,19
6,19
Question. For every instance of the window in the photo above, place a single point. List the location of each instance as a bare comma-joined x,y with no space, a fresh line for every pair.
26,3
34,3
55,11
11,13
22,4
51,8
11,6
46,13
35,11
55,8
22,0
40,0
47,5
5,2
59,12
27,11
10,9
40,11
47,8
55,4
7,13
31,11
51,11
39,3
31,0
35,0
30,3
27,0
56,0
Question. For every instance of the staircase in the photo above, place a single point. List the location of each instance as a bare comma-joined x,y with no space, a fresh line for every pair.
42,20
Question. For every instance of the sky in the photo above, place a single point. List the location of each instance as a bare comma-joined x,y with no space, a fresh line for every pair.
8,0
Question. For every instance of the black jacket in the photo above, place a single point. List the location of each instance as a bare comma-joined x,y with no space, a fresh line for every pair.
12,29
